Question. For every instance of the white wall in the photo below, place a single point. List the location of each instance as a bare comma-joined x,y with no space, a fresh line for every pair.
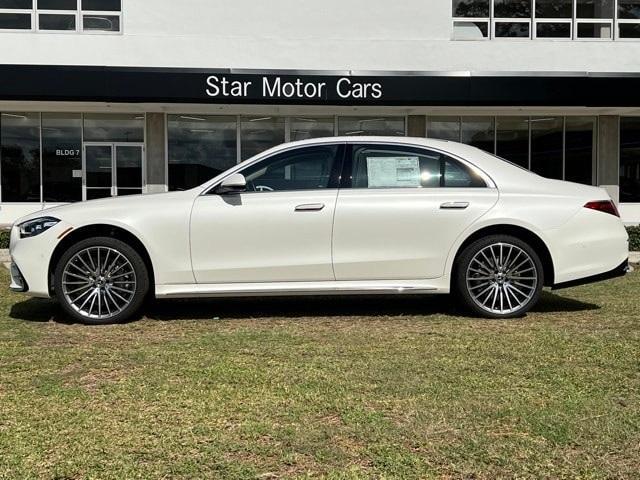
303,34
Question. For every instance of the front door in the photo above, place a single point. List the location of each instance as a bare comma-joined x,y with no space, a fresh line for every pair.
279,230
112,169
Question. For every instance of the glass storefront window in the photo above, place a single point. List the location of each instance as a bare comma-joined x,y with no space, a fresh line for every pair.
377,126
630,160
444,128
479,132
546,146
304,128
513,139
62,157
200,148
580,149
594,8
113,127
20,157
260,133
554,8
512,8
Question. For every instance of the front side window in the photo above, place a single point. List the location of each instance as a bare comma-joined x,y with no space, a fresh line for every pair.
381,166
310,168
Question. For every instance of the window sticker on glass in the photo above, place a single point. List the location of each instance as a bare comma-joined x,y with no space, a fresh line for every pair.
392,172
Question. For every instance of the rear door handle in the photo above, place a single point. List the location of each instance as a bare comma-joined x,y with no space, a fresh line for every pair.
454,206
310,207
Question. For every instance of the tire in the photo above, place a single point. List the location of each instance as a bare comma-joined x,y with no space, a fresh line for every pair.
113,295
499,284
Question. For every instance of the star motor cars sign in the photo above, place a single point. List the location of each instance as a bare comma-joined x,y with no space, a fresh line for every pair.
276,87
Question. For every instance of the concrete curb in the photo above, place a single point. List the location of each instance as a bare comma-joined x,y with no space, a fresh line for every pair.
634,257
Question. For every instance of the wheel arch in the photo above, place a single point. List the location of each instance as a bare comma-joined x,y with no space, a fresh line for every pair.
522,233
100,230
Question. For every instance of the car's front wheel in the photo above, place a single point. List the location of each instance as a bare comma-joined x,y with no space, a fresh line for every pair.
101,280
499,276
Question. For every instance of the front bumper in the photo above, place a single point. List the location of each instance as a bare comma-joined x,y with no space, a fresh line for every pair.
620,271
18,283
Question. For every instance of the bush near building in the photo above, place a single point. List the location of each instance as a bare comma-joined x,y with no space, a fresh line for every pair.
4,238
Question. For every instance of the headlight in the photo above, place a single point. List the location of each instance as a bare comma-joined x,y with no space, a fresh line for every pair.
34,227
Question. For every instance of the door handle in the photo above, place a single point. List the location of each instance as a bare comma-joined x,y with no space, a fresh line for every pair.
454,206
310,207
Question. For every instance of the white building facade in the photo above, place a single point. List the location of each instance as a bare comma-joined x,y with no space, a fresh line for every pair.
117,97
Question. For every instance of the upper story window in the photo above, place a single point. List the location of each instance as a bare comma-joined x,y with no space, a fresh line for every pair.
102,16
546,19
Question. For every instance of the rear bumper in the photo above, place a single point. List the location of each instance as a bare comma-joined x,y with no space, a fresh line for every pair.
620,271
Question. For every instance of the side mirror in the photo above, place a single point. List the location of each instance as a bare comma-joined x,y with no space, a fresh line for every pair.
235,183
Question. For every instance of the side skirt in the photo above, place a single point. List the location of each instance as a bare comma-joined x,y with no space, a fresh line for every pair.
383,287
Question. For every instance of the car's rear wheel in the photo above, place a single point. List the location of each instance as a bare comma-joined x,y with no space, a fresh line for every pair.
100,281
499,276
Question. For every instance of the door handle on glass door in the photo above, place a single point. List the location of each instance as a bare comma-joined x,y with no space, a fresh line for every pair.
310,207
454,205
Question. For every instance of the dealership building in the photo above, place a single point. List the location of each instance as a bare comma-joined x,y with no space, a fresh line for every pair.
106,98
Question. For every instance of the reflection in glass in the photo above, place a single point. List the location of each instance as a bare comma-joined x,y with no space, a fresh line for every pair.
102,5
259,134
479,132
546,146
629,9
114,127
470,30
554,8
512,8
303,128
20,154
15,21
513,140
594,8
200,148
580,144
97,193
471,8
62,157
58,4
629,30
594,30
512,30
128,167
56,22
382,126
630,159
101,23
553,30
99,163
16,4
444,128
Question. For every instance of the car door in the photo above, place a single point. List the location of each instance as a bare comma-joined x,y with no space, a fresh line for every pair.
279,229
401,210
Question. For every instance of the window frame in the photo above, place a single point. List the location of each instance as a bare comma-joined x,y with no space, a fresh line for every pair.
347,167
79,14
334,177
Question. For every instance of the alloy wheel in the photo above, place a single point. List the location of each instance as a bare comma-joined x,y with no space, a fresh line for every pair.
99,282
502,278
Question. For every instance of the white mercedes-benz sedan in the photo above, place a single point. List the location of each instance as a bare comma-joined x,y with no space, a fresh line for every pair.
355,215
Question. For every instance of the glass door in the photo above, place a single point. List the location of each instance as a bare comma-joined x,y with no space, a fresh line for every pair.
112,169
98,171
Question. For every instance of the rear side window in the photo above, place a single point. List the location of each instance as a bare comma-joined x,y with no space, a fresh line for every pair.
382,166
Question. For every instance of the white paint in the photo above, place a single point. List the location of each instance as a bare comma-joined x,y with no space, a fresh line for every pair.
202,245
285,34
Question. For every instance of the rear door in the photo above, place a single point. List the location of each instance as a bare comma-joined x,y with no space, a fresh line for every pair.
400,211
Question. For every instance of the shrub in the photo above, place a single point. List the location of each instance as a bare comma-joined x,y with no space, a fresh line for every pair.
634,238
4,238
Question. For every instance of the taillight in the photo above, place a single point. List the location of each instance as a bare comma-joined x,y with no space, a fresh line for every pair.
605,206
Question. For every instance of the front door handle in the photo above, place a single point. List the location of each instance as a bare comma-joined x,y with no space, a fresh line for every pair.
454,206
310,207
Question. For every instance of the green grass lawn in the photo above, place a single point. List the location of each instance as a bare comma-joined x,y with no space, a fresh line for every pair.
333,388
